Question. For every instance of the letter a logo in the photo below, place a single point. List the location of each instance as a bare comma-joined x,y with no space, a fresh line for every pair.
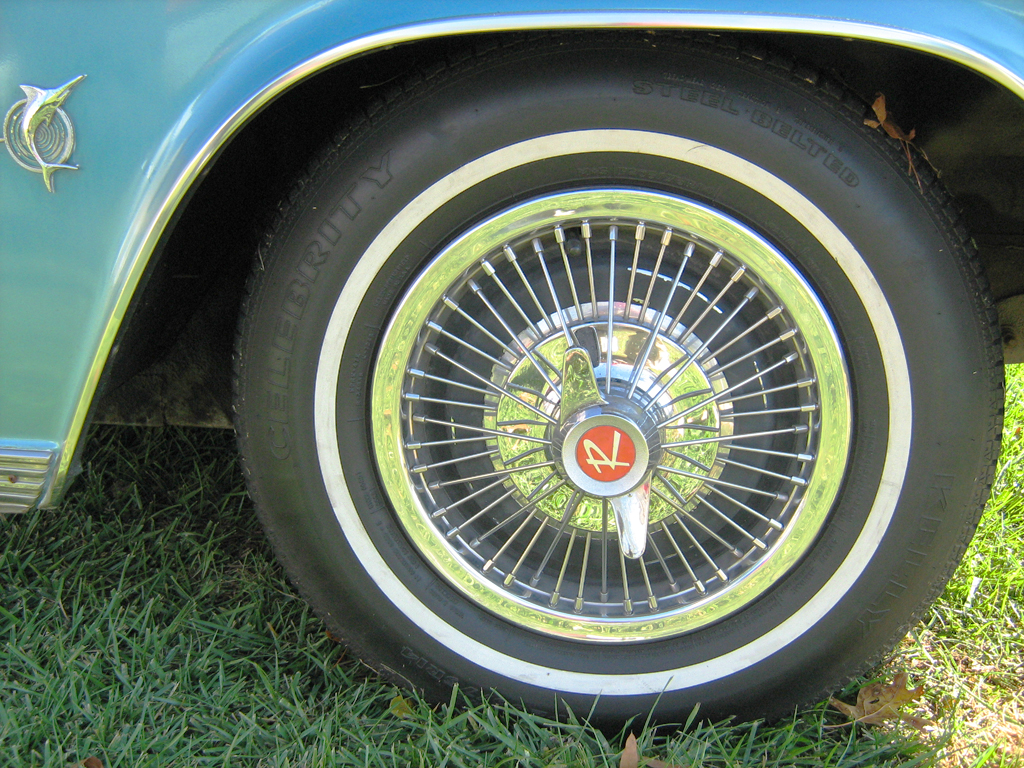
605,453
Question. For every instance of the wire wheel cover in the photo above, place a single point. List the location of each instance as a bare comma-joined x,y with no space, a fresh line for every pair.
701,335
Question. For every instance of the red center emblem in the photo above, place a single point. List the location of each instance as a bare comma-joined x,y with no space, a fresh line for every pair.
605,453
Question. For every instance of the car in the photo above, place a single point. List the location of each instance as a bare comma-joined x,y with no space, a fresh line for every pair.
606,357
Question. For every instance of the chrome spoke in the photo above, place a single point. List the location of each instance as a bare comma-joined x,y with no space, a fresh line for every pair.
801,457
526,507
809,408
415,446
613,236
482,430
526,390
697,583
561,571
489,270
511,577
638,238
713,304
511,257
442,511
652,601
418,374
695,291
523,455
496,387
501,320
666,238
520,423
585,232
480,327
696,542
578,605
723,483
678,504
704,553
801,384
538,248
672,585
560,239
698,427
768,520
452,533
759,375
687,396
634,379
508,542
414,398
627,603
771,315
604,550
697,352
732,523
419,469
488,475
690,460
463,343
566,516
730,438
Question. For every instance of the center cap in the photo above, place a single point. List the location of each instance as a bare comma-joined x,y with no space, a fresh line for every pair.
604,454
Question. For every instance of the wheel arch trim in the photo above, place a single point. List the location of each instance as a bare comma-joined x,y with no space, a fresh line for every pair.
146,233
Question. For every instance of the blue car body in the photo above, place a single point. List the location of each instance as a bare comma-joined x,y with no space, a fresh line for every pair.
167,84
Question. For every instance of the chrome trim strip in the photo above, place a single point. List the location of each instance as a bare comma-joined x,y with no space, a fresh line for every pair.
24,470
141,242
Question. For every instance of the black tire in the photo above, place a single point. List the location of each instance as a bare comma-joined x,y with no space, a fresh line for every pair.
904,401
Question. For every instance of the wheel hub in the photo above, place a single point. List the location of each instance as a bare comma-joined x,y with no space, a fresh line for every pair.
607,450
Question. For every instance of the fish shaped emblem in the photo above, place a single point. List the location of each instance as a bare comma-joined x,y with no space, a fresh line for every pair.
27,117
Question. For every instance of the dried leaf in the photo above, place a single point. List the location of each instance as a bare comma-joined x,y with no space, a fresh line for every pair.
847,709
883,121
89,762
630,755
878,107
877,702
400,707
661,764
333,637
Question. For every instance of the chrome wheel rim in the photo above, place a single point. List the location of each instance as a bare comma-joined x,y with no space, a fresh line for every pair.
738,406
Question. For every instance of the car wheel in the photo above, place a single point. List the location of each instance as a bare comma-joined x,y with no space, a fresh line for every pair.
618,371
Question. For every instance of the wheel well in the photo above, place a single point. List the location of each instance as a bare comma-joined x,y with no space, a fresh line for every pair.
172,361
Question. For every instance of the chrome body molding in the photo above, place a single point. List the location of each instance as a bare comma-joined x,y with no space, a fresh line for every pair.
25,469
39,134
172,178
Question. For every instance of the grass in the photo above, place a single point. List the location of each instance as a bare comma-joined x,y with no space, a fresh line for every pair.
147,623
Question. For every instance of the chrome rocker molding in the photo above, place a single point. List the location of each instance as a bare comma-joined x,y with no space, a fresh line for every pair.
143,238
24,472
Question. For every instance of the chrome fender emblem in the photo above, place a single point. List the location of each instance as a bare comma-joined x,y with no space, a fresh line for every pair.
39,134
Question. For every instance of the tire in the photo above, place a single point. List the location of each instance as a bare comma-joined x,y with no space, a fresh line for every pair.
823,333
